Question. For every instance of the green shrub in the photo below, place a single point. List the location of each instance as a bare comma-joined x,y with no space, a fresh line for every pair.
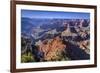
27,58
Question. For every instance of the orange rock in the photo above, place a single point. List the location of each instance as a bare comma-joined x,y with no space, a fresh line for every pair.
51,48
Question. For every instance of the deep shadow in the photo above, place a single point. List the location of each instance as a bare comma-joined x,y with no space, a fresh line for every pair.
76,53
38,55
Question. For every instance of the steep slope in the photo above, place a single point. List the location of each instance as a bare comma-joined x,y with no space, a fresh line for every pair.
52,49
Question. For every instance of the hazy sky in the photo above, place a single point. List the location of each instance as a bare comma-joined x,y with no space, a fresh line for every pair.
54,14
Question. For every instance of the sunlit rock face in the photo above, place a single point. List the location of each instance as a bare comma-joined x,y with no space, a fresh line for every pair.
52,49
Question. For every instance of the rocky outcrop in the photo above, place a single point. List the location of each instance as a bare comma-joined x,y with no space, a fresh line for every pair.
52,49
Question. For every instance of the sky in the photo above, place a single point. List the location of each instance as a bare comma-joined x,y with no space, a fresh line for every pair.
54,14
